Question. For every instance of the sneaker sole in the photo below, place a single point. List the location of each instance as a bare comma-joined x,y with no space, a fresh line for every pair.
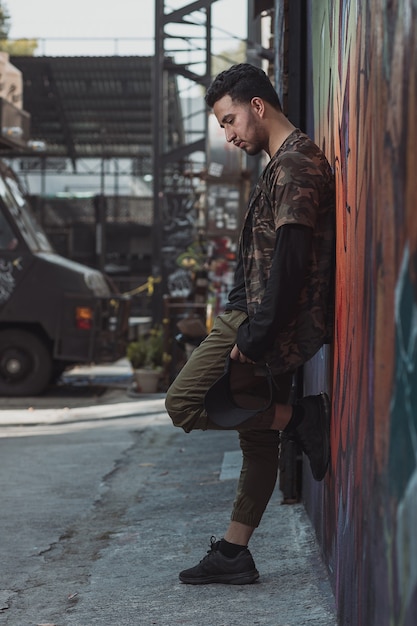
325,423
246,578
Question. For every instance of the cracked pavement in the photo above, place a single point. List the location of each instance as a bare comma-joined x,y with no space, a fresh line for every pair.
98,516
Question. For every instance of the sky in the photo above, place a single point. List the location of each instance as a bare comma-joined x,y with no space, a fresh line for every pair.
74,28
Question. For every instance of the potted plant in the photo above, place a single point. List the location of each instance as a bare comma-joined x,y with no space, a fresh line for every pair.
147,358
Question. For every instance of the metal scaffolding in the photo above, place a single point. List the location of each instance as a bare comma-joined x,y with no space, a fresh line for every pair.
183,49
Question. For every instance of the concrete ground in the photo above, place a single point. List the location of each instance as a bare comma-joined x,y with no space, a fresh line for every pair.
104,502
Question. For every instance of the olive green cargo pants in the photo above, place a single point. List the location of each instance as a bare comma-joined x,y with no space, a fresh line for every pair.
259,444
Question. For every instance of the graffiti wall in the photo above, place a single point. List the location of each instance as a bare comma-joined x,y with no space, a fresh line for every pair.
363,61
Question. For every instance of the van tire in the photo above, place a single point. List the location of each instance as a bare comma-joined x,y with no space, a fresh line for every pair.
25,363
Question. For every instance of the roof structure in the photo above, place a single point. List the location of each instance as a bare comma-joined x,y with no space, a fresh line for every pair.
84,107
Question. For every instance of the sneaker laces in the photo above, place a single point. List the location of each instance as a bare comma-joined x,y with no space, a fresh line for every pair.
214,546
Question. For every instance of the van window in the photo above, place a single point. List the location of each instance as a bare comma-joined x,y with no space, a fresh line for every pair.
21,212
8,239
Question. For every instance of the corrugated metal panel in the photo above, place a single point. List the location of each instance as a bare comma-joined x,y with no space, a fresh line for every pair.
92,106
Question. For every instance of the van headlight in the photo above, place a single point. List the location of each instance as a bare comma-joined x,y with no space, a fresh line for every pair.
97,283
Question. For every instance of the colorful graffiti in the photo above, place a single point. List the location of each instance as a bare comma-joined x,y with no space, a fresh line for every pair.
364,60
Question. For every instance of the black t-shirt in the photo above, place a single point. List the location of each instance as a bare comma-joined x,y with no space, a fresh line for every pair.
279,302
237,296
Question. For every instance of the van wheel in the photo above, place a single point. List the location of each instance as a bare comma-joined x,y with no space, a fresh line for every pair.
25,364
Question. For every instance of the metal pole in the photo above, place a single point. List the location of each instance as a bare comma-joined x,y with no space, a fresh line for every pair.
43,175
102,177
279,40
156,156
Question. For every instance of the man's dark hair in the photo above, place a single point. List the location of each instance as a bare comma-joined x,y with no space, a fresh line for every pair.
242,82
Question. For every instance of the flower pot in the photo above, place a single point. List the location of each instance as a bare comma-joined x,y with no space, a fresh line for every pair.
147,380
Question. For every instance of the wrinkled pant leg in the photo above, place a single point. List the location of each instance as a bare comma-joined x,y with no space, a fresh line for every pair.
260,450
185,397
260,446
258,476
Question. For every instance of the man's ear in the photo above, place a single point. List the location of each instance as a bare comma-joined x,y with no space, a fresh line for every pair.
258,106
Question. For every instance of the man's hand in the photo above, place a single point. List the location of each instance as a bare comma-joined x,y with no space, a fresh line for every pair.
237,355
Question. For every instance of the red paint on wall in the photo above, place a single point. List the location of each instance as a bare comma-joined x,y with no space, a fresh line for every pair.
364,76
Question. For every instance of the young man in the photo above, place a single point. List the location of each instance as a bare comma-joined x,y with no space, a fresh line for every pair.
277,312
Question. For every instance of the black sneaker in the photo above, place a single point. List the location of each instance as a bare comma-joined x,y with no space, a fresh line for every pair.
217,568
313,433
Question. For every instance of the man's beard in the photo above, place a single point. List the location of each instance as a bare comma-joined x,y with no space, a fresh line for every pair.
253,149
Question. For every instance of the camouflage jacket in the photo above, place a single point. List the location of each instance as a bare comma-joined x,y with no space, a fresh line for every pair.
296,187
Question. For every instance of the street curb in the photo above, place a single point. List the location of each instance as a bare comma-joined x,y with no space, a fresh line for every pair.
150,404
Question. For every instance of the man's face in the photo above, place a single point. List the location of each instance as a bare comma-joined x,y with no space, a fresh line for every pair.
242,125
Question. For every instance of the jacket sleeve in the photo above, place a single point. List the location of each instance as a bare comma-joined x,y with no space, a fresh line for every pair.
279,302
